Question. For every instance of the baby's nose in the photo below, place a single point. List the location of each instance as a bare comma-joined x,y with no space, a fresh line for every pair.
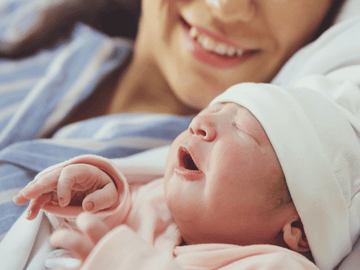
202,126
233,10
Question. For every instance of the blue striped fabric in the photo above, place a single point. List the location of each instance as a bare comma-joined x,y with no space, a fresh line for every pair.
38,92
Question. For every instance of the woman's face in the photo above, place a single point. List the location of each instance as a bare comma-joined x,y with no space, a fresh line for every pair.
202,47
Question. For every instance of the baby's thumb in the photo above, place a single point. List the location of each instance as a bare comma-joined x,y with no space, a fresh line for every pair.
101,199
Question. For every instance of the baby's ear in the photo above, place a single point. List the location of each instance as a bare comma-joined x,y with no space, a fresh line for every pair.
294,236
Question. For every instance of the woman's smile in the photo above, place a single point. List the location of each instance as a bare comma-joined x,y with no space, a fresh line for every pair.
213,49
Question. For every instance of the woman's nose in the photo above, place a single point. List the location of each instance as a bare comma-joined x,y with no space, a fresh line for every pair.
233,10
202,126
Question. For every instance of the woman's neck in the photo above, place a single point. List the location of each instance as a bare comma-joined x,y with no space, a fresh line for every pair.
142,88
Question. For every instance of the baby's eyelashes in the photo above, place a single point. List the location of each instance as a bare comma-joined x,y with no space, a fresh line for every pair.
236,125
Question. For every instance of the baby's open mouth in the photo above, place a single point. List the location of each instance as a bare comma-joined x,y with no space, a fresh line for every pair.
186,161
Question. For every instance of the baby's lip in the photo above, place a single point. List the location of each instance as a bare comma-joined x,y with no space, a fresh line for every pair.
187,165
186,160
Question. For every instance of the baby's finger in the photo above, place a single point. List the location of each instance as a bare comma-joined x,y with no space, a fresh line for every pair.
36,204
41,184
92,226
65,185
75,174
101,199
19,199
73,241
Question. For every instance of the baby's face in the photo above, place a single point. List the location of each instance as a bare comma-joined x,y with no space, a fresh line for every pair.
220,177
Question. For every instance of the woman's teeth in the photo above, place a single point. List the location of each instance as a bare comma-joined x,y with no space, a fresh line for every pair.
211,45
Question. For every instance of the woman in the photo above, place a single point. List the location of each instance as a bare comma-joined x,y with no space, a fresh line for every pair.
185,54
208,46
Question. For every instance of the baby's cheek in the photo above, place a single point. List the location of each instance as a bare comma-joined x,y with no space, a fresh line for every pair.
177,206
185,203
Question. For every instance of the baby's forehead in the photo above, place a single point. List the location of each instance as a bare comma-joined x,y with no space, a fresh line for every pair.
219,105
237,109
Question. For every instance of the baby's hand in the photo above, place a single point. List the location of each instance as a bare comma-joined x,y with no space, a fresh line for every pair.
77,184
91,230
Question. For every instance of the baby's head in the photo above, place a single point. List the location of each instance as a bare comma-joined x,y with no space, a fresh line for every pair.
224,182
229,177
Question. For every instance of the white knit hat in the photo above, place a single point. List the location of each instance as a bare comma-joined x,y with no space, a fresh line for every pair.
319,153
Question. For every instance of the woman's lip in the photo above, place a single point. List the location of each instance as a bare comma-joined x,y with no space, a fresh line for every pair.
219,39
210,58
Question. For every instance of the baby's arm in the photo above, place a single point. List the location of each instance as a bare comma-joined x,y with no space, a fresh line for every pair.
75,184
90,230
120,248
80,180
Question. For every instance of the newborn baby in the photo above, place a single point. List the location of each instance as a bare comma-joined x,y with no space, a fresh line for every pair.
226,181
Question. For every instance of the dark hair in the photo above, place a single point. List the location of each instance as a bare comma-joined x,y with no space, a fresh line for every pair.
330,17
282,194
